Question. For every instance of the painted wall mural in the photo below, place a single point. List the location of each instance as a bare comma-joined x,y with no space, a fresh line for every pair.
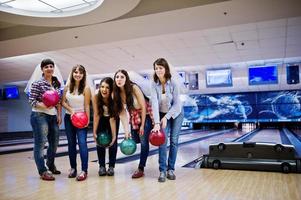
244,107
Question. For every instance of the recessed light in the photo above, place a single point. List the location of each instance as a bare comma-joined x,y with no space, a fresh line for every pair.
49,8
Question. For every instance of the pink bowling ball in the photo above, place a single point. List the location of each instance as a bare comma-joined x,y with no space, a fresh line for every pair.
79,119
50,98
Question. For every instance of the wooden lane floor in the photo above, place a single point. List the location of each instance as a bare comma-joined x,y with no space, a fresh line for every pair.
192,151
267,135
20,180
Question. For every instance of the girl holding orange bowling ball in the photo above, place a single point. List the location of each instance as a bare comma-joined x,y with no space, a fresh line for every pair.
168,115
76,98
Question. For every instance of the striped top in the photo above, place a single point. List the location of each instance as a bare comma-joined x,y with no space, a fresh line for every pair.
36,92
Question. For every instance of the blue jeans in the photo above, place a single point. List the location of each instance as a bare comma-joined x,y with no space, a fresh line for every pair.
104,124
81,133
44,128
144,140
173,128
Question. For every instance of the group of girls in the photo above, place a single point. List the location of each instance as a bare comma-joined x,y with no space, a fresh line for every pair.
115,100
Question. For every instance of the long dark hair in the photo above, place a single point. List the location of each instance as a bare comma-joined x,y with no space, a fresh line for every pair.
54,81
128,87
82,83
162,62
100,99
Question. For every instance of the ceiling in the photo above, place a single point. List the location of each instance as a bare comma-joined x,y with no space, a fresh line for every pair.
192,35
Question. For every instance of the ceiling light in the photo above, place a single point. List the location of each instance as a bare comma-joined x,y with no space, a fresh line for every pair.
49,8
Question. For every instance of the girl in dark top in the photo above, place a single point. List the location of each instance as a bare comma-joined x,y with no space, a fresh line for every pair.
105,121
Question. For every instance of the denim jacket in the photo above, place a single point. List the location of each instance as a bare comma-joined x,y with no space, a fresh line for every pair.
173,95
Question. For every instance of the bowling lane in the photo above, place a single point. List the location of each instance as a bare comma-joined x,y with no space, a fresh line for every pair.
189,152
267,135
297,132
27,145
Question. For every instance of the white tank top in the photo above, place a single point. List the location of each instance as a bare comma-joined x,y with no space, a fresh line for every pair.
164,104
105,111
76,102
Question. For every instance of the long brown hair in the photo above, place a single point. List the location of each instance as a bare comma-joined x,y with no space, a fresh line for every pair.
162,62
82,83
128,87
100,99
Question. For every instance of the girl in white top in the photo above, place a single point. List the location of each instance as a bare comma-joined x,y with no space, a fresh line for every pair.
77,98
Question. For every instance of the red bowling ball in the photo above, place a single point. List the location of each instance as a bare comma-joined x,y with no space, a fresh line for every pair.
79,119
157,138
50,98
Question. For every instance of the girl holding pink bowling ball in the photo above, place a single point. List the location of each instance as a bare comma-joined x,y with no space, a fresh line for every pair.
45,120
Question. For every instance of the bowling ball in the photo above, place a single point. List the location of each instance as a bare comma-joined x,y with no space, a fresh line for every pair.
157,138
79,119
50,98
128,146
104,139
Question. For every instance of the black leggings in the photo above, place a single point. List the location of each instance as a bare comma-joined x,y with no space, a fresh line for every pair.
104,124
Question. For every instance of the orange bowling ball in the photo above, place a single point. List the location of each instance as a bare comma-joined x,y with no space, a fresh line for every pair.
157,138
79,119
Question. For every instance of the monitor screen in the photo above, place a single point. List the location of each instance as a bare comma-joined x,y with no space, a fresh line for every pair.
259,75
218,77
11,92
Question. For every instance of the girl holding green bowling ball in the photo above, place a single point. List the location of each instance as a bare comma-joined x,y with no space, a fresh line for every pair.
106,123
128,97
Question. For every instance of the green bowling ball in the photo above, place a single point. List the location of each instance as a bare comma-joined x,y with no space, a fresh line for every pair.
128,146
104,139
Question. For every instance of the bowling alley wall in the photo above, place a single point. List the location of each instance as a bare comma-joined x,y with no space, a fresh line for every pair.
219,94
